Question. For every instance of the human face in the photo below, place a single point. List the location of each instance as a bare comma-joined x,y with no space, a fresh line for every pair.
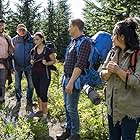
22,31
38,40
72,30
118,40
2,27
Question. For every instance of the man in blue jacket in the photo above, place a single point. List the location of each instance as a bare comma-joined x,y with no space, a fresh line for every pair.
23,43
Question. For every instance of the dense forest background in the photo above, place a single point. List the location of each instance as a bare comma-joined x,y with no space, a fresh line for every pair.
53,20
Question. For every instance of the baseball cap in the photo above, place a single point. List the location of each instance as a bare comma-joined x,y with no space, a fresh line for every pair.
21,26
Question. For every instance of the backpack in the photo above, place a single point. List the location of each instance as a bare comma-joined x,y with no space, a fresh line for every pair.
132,67
101,45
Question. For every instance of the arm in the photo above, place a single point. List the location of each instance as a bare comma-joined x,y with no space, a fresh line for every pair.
81,64
76,73
105,74
113,67
52,60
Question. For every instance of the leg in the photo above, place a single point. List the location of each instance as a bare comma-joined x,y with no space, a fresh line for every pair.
44,85
18,77
72,108
68,121
36,82
67,131
3,76
28,75
114,131
40,104
129,128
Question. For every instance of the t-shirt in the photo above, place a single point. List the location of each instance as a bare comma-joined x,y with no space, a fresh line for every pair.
38,67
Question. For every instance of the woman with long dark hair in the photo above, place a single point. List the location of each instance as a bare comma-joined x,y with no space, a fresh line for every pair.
123,81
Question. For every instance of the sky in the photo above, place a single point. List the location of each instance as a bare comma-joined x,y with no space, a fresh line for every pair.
76,6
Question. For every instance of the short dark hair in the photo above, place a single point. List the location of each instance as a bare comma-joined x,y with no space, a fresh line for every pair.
2,21
79,23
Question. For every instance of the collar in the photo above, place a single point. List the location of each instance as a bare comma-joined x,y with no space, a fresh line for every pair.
78,38
127,52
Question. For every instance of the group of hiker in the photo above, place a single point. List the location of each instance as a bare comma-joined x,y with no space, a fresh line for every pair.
33,56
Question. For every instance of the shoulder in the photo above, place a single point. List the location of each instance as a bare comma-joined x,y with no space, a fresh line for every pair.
84,40
7,36
15,38
48,49
28,38
50,46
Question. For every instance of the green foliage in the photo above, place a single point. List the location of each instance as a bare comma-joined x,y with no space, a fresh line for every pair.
28,13
11,130
56,104
4,9
40,130
62,23
104,15
93,119
49,22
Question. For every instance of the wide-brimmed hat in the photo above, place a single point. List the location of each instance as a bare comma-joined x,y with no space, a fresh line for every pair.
21,26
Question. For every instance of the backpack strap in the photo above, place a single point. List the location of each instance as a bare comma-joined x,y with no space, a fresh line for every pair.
132,67
133,60
79,42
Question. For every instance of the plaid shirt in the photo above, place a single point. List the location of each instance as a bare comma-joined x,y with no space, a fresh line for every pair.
72,59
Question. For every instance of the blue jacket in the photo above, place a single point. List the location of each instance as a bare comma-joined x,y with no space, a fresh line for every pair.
23,46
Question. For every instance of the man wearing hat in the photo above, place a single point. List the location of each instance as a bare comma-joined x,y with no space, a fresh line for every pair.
23,43
6,49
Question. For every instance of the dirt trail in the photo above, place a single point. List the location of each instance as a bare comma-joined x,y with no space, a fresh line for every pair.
53,128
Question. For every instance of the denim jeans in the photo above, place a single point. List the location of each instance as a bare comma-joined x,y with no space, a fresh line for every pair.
125,130
71,107
18,77
3,77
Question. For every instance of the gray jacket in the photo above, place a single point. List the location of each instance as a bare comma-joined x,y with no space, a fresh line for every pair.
122,101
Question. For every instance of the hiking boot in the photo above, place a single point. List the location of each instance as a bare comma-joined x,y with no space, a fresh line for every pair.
74,137
64,135
16,109
38,114
30,115
29,106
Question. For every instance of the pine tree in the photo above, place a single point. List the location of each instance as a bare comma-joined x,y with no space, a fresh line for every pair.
26,12
62,23
49,22
4,9
104,15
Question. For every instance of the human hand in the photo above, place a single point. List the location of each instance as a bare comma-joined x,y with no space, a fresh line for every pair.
32,61
113,67
69,88
44,62
12,71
